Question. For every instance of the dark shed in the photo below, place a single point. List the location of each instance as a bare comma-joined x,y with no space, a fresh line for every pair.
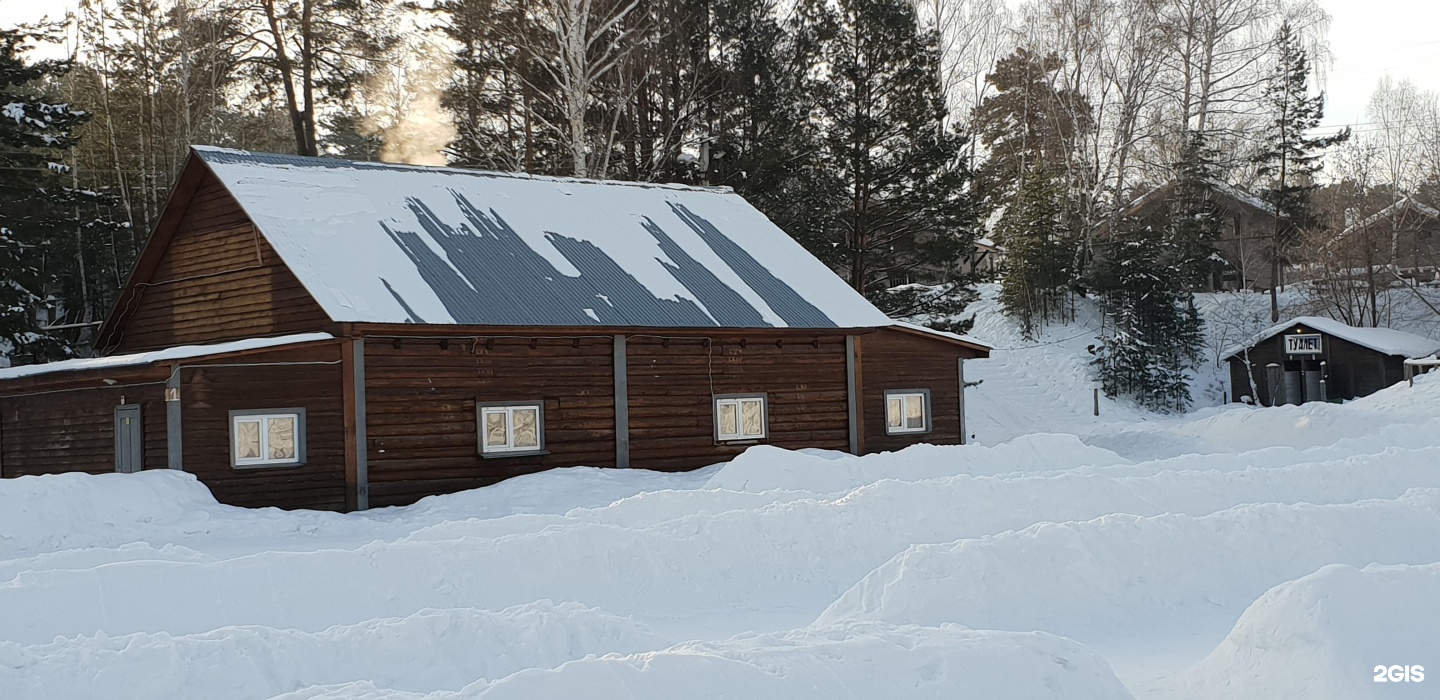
379,333
1321,359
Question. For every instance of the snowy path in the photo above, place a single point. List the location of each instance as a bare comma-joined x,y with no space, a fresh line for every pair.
1008,403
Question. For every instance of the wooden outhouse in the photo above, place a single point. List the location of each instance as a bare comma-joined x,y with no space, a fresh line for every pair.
318,333
1320,359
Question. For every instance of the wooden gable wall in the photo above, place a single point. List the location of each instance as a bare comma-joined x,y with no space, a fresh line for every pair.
207,276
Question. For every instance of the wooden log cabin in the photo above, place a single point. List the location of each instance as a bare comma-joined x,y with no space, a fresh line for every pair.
314,333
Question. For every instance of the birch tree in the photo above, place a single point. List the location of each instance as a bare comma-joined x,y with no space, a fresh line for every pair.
579,45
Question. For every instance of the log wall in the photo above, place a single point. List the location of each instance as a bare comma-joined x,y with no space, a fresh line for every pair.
672,384
893,360
209,393
217,280
420,408
59,423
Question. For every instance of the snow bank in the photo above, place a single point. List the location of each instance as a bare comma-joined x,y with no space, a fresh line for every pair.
64,511
426,651
1320,637
830,663
1400,414
763,467
79,520
1125,575
724,560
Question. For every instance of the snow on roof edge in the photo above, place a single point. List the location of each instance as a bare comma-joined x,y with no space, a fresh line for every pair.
302,161
179,352
1382,340
944,334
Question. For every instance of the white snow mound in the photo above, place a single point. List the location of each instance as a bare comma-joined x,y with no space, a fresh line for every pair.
853,662
1322,637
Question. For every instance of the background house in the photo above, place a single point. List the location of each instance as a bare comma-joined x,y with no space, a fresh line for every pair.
316,333
1404,236
1243,248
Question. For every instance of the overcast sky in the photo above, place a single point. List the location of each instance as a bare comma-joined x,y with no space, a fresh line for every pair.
1370,38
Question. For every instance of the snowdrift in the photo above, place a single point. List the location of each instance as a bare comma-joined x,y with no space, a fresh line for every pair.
1129,575
1000,571
426,651
716,558
758,468
855,662
1321,636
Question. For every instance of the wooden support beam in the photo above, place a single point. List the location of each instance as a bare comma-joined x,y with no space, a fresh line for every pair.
960,370
852,396
174,437
622,404
357,468
857,391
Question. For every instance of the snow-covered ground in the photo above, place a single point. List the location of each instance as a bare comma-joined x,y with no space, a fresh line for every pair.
1234,552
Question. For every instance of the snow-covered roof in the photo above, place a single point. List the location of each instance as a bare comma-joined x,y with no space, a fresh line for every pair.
915,327
1399,207
1382,340
1219,186
144,358
384,243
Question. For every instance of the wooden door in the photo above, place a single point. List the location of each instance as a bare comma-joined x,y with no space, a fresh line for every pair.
129,438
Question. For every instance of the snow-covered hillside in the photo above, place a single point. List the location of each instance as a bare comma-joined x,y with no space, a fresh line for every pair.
1234,552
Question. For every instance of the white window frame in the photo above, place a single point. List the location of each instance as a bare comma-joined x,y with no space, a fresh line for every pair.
738,401
263,416
925,415
483,409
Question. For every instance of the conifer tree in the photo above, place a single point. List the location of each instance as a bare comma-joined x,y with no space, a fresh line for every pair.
1144,282
759,138
1153,333
896,206
35,132
1193,216
1031,129
1289,158
1033,230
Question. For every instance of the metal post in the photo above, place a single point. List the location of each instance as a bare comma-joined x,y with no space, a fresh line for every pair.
1097,401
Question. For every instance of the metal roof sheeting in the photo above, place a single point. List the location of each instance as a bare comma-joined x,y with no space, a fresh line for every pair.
387,243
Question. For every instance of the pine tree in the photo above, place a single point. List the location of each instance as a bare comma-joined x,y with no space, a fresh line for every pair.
1288,157
1027,123
1145,280
1153,334
35,204
897,206
1194,217
759,138
1036,236
1030,129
